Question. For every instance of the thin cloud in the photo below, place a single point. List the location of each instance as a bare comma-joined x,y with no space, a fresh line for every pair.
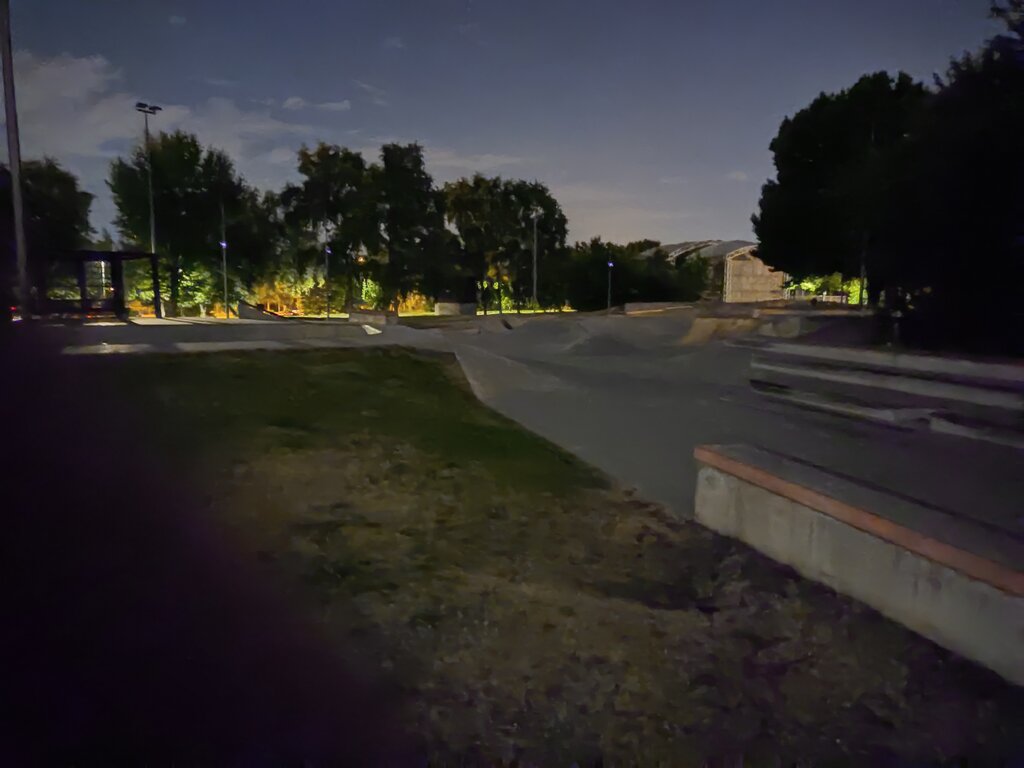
335,106
220,82
281,155
78,110
393,43
739,176
176,21
450,159
672,180
294,103
377,95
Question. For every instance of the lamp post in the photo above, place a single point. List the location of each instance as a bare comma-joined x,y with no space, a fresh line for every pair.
147,110
327,278
224,257
14,158
610,265
535,215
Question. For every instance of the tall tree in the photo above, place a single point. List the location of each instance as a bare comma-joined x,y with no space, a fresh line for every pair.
56,218
191,187
335,210
961,200
412,223
495,222
825,210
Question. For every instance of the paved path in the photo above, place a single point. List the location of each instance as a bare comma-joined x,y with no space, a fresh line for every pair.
638,411
624,395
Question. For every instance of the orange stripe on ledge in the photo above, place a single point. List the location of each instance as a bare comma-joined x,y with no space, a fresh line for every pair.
967,563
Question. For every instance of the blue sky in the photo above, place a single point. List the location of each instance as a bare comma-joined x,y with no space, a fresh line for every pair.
647,118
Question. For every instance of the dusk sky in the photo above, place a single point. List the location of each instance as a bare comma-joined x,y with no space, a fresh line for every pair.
646,118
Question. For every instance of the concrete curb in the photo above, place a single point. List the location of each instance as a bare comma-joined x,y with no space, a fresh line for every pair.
902,361
963,600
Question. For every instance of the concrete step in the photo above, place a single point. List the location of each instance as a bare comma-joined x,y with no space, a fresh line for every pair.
976,400
949,577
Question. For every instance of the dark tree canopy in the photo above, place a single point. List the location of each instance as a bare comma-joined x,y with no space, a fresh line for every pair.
192,186
828,201
56,216
924,184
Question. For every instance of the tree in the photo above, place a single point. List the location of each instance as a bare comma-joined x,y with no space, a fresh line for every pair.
56,219
192,185
961,201
412,212
495,222
830,201
334,209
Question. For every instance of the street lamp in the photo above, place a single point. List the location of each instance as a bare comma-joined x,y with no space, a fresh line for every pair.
224,257
327,278
535,215
610,265
14,159
147,110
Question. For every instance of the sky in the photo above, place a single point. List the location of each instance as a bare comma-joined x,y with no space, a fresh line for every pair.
646,118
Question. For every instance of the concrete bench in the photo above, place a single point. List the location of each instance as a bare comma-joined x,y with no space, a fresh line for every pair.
955,580
372,317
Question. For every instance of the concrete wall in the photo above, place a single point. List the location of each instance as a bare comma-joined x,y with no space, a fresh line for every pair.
748,279
980,616
447,308
372,317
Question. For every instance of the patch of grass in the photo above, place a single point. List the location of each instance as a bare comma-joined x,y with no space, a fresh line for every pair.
308,399
531,613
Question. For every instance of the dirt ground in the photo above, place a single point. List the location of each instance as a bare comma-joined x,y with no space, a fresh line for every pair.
526,610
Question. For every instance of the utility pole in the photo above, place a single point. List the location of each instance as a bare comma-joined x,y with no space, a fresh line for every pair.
610,265
224,257
863,267
535,215
327,278
14,159
147,110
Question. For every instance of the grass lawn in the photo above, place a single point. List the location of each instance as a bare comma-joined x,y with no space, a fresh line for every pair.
523,606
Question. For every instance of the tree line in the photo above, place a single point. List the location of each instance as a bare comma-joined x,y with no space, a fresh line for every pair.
349,232
920,189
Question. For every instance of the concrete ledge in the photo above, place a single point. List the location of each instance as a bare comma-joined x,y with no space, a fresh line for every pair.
654,307
372,317
947,578
1012,373
450,308
894,382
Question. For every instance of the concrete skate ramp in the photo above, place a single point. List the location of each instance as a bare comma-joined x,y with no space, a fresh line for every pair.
545,336
494,324
706,329
247,311
589,335
491,375
599,345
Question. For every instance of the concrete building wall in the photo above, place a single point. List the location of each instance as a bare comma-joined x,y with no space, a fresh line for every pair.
748,279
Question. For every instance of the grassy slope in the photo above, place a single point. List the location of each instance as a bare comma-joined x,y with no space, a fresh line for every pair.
525,608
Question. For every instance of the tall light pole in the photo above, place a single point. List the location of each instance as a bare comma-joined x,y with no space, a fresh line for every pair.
327,278
147,110
224,257
535,215
14,157
610,265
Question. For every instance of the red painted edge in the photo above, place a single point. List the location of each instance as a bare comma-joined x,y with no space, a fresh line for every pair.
976,567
